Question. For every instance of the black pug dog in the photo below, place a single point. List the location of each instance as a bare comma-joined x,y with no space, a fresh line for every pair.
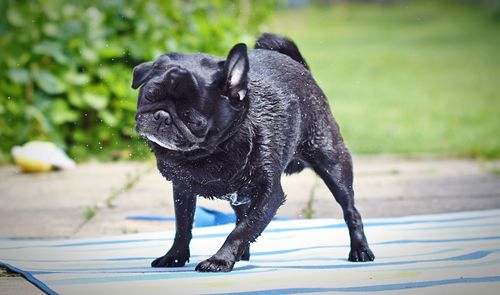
229,128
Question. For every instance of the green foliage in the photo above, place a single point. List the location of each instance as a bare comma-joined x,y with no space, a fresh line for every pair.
66,65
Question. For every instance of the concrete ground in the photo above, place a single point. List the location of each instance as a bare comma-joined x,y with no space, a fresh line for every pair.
94,199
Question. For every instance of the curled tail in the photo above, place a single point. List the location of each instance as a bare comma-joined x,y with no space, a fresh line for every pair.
282,45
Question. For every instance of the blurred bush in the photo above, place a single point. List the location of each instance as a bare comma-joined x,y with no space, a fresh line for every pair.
66,65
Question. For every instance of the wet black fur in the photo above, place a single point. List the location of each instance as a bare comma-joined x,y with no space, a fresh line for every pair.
282,124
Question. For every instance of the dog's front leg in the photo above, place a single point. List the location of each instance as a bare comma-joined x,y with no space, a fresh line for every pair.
185,205
262,210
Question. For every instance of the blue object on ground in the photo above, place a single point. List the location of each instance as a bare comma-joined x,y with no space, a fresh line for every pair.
206,217
203,217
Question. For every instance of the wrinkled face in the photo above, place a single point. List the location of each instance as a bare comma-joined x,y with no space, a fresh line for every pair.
191,102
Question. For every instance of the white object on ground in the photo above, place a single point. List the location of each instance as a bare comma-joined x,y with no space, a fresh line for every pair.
37,156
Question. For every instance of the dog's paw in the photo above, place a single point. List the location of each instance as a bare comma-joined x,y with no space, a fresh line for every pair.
215,265
361,254
169,261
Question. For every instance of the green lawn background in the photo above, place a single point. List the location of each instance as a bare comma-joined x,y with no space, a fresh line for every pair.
412,77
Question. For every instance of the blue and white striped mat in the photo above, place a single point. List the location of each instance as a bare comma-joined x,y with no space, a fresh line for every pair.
454,253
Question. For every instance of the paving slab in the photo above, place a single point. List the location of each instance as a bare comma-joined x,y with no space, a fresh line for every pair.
16,286
153,196
150,196
53,204
385,186
389,186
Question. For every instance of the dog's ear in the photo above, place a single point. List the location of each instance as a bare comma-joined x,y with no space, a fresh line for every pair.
236,72
141,74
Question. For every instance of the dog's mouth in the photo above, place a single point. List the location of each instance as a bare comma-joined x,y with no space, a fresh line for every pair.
169,145
179,137
185,131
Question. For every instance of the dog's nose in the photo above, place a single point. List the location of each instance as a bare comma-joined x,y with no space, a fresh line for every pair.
162,117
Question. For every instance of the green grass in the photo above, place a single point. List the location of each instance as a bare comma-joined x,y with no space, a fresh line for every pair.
5,273
90,212
409,78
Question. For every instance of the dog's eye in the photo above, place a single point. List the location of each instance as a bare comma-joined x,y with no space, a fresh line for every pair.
151,94
225,97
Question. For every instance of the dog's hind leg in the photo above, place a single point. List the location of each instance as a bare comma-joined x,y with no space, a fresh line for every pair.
334,165
241,214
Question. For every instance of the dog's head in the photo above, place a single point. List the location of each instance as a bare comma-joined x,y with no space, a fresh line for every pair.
191,102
